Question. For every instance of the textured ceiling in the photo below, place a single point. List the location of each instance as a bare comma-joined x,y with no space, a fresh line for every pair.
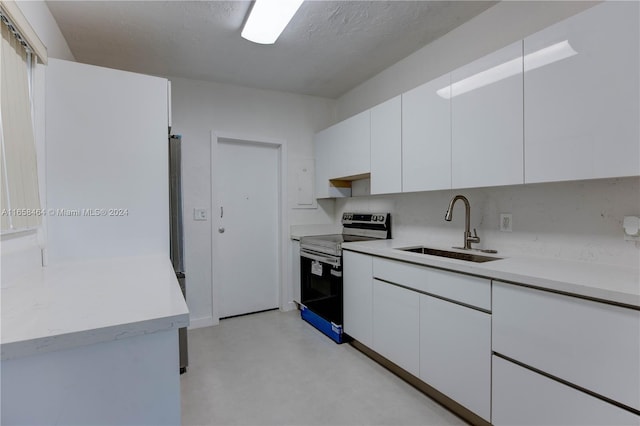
328,48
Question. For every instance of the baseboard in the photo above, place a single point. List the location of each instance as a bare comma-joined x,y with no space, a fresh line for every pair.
291,306
202,322
457,409
209,321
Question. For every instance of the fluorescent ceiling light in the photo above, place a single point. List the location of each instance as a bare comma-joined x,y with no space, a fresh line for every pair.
537,59
268,18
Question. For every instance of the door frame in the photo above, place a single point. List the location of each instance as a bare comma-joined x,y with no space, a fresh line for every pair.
283,229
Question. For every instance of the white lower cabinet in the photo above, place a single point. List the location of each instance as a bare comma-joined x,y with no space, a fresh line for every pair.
442,342
455,353
593,345
524,397
396,321
575,361
295,269
358,296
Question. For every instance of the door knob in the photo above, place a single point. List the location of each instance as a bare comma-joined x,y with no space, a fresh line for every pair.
221,230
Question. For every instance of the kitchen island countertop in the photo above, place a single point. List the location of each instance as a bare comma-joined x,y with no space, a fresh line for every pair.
609,283
76,304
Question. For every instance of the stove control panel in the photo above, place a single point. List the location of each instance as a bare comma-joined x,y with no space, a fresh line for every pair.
361,223
365,218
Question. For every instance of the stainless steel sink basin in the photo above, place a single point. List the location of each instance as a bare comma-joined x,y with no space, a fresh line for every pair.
470,257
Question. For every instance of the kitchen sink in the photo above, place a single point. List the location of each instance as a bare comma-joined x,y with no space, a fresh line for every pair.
470,257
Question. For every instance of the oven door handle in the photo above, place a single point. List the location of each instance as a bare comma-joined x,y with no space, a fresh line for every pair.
323,259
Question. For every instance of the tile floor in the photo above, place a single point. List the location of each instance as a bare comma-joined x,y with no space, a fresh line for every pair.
273,368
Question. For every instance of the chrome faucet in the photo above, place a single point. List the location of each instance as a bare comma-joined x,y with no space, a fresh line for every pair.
468,238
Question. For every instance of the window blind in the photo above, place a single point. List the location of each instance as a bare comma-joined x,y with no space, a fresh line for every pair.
18,175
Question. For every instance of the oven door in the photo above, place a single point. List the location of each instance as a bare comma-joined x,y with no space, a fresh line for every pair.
321,285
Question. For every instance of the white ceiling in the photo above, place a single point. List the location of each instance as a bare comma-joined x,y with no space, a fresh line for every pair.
328,48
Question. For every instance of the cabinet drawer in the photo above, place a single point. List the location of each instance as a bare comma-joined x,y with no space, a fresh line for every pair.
592,345
461,288
523,397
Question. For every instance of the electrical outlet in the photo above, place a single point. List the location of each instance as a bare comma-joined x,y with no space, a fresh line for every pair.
506,222
199,214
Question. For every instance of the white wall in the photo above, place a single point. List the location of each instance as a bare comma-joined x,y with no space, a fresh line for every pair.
570,220
200,107
21,252
42,21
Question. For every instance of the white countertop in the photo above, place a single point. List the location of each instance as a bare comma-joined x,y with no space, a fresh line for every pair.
77,304
604,282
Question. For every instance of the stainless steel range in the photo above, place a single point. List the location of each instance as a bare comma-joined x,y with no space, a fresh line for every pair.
321,269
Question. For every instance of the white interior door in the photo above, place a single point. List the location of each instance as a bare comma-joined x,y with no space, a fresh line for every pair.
246,227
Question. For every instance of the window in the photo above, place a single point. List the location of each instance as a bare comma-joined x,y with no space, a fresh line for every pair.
20,202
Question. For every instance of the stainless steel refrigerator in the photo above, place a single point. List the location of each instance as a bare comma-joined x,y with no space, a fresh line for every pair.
176,235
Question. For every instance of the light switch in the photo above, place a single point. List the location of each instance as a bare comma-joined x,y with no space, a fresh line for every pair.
200,214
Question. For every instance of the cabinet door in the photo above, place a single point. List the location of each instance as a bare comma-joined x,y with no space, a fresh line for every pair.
582,96
426,137
593,345
295,269
386,147
352,149
358,296
523,397
487,123
455,353
326,150
322,150
396,321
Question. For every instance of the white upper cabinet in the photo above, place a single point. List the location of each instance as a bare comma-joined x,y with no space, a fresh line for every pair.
386,147
562,104
582,90
324,146
342,152
352,149
426,137
487,124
